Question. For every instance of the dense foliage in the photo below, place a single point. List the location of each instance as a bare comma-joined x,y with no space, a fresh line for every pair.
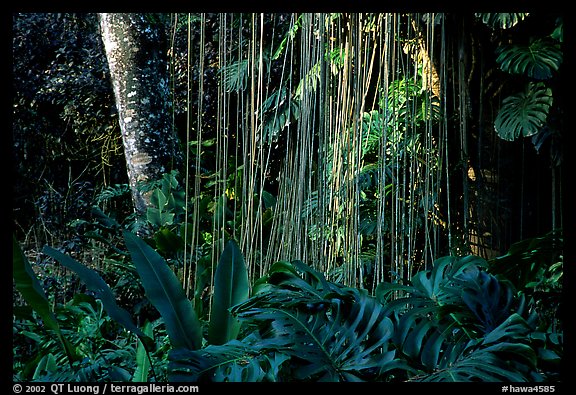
95,302
463,320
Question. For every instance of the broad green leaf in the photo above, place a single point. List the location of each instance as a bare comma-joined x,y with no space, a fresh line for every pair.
158,199
167,241
539,59
513,328
415,340
268,199
333,332
490,300
527,261
231,286
165,292
160,214
524,113
502,362
429,281
116,373
558,33
158,217
432,349
47,365
548,355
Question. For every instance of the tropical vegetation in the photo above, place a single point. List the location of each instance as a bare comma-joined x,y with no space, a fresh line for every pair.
359,197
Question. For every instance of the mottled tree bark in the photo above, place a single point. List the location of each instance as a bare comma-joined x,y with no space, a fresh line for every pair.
136,53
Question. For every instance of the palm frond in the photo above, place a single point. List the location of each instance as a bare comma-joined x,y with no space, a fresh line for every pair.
278,111
235,75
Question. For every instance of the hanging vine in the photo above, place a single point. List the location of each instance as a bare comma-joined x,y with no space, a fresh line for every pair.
331,143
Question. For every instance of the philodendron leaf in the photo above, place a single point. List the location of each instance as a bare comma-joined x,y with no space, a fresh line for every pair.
496,363
165,292
538,60
525,113
231,287
29,287
235,361
96,284
501,20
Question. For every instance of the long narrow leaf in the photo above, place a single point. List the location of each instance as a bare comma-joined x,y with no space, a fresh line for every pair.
231,287
96,284
142,358
29,287
165,292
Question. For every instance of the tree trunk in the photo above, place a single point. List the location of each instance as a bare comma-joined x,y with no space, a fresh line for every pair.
138,70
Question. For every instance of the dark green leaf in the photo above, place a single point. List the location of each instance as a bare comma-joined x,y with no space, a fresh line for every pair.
336,333
513,328
96,284
166,294
29,287
231,287
27,283
525,113
142,357
538,60
168,242
233,362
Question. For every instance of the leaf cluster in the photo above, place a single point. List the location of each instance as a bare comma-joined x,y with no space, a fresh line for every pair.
454,322
537,62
